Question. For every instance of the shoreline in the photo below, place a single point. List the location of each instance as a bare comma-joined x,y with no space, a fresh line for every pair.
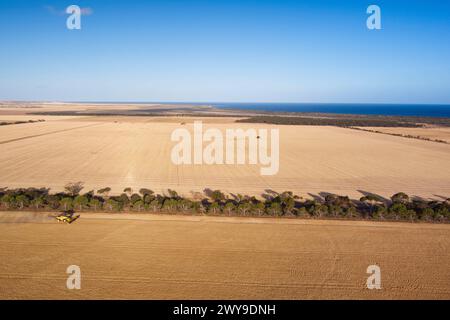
212,110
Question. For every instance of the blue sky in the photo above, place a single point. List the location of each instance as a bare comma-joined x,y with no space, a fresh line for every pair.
226,51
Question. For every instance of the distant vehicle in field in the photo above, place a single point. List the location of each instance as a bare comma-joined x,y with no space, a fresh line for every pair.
67,217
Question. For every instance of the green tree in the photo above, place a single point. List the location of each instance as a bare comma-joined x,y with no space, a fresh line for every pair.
144,192
442,213
173,194
244,208
275,209
66,203
427,214
229,208
336,211
197,207
397,210
184,205
135,197
22,201
112,205
400,197
104,192
303,213
214,208
37,202
260,208
380,212
170,205
80,202
148,198
371,201
155,205
288,206
217,196
138,205
124,200
351,212
52,201
7,201
95,204
320,210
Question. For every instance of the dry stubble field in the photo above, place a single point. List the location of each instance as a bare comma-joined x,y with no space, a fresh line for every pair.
174,257
440,133
121,152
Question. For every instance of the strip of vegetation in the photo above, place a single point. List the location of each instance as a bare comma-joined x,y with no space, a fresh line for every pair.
399,208
4,123
283,118
339,122
409,136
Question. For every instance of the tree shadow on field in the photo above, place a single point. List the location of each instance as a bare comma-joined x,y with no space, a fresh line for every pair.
420,199
269,194
366,193
234,197
208,192
324,194
442,197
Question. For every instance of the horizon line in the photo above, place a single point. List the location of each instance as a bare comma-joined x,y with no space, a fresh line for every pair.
225,102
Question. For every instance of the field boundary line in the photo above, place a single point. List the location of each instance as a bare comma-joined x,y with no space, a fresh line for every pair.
48,133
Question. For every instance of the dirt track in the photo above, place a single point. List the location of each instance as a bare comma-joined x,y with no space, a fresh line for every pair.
168,257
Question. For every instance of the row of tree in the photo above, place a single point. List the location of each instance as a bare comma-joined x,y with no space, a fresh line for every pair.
398,207
7,123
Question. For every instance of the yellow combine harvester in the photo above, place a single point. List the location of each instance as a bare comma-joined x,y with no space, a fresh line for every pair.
67,217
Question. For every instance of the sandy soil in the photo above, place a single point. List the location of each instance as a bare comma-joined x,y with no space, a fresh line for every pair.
440,133
121,152
163,257
26,108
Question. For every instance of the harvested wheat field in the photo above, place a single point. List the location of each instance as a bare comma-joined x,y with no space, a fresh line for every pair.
176,257
433,133
120,152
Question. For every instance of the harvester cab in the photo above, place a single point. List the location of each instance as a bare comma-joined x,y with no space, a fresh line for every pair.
67,217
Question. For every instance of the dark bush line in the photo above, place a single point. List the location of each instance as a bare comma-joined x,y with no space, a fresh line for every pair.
19,122
339,122
400,207
409,136
287,118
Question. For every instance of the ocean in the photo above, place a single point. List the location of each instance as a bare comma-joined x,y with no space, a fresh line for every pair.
428,110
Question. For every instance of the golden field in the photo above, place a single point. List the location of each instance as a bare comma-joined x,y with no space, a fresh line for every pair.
433,133
121,152
132,256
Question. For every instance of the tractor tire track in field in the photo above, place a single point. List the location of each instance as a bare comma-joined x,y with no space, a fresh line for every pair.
49,133
132,259
310,285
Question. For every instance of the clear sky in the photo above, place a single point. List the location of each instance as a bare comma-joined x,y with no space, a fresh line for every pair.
226,51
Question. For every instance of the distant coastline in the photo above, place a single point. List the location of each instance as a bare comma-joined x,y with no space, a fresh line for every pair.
382,109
